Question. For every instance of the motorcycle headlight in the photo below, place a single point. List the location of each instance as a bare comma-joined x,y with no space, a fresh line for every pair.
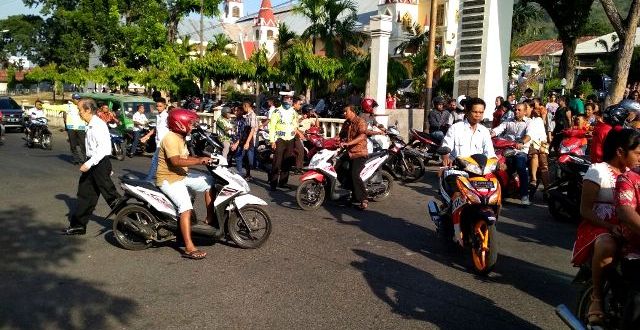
472,168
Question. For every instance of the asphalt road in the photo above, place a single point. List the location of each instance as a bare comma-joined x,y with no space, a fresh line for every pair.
334,268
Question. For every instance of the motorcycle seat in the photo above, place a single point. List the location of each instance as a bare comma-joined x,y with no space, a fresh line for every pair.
375,155
140,183
428,136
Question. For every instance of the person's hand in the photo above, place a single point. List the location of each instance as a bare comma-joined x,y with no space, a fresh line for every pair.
84,168
343,144
204,160
519,145
246,146
144,139
273,145
446,160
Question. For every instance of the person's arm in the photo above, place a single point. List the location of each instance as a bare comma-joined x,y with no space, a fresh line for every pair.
148,135
590,191
448,142
499,129
487,146
179,161
272,129
569,118
252,132
362,135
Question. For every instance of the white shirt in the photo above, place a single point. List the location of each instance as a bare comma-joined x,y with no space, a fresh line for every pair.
161,126
464,142
35,113
97,141
536,130
139,118
515,130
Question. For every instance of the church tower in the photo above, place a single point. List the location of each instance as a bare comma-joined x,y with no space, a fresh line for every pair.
404,14
265,29
233,11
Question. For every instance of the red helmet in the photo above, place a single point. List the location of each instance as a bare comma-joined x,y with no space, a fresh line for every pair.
368,104
181,120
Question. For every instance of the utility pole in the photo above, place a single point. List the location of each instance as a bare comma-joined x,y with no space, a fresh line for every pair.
201,28
430,58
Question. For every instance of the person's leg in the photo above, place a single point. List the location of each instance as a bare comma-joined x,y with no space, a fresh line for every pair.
73,145
179,195
544,168
298,151
226,145
82,135
204,184
250,158
287,161
278,157
87,198
134,144
154,166
102,178
533,163
239,157
523,174
604,250
359,189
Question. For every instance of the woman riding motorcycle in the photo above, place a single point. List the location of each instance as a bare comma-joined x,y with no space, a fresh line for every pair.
612,116
596,237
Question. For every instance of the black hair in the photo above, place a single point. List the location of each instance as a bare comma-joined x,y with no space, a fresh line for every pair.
161,100
627,139
528,90
470,102
562,98
296,99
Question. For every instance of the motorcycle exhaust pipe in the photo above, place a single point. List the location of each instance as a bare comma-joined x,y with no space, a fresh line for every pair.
568,318
139,229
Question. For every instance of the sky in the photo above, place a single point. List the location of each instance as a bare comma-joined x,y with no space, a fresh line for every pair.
17,7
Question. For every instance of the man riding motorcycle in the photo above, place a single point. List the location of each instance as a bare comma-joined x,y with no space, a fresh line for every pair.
174,180
34,113
517,130
439,118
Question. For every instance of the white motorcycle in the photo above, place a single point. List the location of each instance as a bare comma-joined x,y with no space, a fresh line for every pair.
321,177
152,217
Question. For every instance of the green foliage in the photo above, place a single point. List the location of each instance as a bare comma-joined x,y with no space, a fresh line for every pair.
333,21
584,87
396,73
552,85
219,66
444,87
285,38
221,43
306,70
115,77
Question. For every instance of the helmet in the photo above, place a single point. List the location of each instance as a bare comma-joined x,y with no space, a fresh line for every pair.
438,100
75,96
181,120
461,101
615,115
631,105
368,105
307,108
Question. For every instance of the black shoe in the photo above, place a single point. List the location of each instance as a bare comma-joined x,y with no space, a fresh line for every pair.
75,230
273,188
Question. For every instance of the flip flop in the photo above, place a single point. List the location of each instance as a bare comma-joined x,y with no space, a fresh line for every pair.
195,255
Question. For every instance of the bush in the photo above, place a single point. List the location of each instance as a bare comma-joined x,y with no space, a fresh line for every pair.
552,85
584,87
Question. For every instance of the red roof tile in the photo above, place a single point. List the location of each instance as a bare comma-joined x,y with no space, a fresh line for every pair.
4,75
544,47
265,16
249,47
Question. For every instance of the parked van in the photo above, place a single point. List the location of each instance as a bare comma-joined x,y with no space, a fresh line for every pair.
124,106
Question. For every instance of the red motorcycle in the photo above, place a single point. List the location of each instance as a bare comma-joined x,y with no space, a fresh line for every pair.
426,144
504,149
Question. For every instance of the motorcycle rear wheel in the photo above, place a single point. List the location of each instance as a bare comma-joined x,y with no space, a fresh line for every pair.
123,235
387,181
310,195
414,169
247,231
484,250
584,301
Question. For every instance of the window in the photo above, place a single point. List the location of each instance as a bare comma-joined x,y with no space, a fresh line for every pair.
235,12
9,104
440,16
149,109
270,34
257,34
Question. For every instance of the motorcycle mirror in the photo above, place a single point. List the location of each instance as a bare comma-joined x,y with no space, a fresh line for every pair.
443,151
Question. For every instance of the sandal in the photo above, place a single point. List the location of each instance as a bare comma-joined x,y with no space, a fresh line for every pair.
363,205
595,317
195,255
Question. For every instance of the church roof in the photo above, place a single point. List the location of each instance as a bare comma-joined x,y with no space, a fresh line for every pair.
265,15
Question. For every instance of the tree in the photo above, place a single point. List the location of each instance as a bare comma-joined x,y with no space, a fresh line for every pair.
338,25
626,31
314,10
177,9
285,38
221,43
23,36
307,70
570,18
525,23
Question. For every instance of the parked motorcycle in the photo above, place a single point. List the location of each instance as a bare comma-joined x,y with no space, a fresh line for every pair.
321,179
472,199
504,149
143,147
404,162
144,215
264,153
427,144
118,143
565,191
38,134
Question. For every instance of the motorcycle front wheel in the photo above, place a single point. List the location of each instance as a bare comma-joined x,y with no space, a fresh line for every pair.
310,195
484,250
118,150
46,142
125,237
250,228
413,168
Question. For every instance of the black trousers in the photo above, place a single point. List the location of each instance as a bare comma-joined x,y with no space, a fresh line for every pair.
359,189
93,183
76,140
282,162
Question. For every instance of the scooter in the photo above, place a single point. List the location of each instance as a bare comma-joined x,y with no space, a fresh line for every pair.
504,149
144,215
405,163
472,198
427,144
321,178
118,143
38,133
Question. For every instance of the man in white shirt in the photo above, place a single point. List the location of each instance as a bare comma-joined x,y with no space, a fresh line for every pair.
517,130
140,121
160,130
469,137
96,171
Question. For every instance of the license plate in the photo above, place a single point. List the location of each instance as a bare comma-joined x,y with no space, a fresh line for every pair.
13,120
482,184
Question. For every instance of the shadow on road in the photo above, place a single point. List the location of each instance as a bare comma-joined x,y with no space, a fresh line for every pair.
416,294
34,296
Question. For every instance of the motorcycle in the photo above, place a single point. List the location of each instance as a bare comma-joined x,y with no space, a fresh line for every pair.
264,153
38,133
504,149
404,162
144,215
565,191
143,147
118,143
427,144
321,179
472,198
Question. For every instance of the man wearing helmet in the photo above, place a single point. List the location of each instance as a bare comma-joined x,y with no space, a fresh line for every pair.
615,115
174,180
438,118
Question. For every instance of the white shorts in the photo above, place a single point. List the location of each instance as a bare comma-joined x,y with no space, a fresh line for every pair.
178,192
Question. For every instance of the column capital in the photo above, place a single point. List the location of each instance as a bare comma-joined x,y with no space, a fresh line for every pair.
380,25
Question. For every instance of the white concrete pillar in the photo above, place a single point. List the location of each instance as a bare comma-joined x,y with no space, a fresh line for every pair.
380,27
482,56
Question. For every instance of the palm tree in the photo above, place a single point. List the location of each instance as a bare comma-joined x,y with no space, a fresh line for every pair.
615,43
221,43
285,38
314,10
333,28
